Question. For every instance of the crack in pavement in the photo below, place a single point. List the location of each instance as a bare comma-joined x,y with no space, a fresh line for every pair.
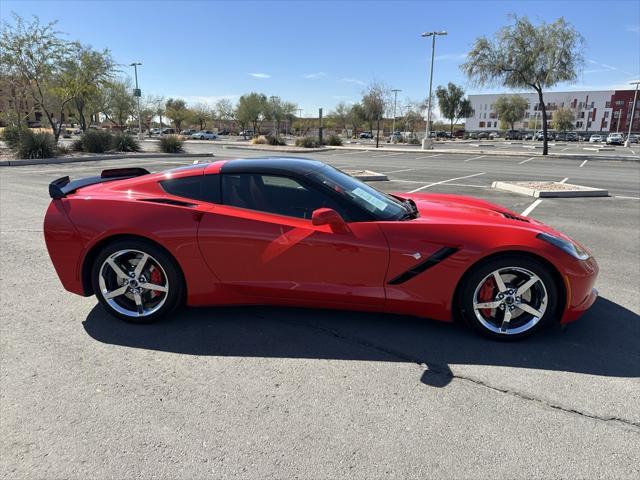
445,371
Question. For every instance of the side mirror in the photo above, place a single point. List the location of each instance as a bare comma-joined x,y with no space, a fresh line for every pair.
328,216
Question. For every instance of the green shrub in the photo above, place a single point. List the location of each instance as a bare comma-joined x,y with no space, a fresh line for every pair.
334,141
307,142
36,145
11,136
171,144
96,141
123,142
413,141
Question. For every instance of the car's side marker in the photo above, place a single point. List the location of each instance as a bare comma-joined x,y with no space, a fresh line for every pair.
432,260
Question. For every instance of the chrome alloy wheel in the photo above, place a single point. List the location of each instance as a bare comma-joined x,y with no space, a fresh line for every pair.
133,283
510,300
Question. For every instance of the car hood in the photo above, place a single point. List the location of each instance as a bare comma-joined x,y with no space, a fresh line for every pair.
458,209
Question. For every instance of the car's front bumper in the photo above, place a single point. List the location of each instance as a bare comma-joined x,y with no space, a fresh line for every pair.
580,282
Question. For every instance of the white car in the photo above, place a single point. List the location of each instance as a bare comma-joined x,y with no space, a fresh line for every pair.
204,135
595,138
615,139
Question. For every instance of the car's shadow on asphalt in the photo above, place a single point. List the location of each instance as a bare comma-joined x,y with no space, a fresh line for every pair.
604,342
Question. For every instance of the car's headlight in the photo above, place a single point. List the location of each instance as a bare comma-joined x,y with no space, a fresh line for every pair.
569,247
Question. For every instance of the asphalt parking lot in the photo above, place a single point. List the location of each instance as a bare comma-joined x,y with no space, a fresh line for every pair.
278,392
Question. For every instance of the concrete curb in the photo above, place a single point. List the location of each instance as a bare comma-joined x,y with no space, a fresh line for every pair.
41,161
265,148
579,191
499,153
367,175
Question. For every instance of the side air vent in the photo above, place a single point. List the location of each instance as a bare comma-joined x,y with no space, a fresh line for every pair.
514,217
169,201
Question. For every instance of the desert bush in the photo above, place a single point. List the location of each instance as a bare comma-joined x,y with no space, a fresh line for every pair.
96,141
123,142
413,141
334,141
36,145
307,142
76,145
260,140
62,149
171,144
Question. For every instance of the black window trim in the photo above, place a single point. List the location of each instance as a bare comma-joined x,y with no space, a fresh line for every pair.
305,181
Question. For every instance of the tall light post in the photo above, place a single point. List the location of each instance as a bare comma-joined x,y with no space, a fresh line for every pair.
627,143
426,143
137,93
395,99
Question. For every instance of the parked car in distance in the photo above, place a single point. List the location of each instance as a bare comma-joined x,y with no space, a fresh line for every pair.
368,135
189,132
246,133
540,136
168,131
513,135
224,131
528,136
615,139
595,138
483,135
494,135
458,133
633,138
204,135
395,137
572,137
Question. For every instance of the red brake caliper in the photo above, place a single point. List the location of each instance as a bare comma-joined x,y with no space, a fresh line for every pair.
156,279
487,294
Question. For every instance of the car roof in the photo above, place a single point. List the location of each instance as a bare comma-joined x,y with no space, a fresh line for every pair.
274,165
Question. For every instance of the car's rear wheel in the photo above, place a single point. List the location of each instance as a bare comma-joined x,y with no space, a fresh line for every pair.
137,281
509,297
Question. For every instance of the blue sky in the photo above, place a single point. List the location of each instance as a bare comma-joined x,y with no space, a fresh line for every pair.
319,53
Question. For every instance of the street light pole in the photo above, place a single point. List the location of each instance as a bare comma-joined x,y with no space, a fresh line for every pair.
137,94
627,143
426,143
273,114
395,98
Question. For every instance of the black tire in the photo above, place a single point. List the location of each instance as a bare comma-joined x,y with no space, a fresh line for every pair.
473,281
169,272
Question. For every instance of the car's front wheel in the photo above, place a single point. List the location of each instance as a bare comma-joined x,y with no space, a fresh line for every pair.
510,297
137,281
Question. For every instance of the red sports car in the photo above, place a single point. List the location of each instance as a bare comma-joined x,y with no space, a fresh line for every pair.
282,231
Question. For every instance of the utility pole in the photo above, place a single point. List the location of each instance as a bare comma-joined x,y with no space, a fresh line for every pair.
137,93
395,98
426,143
320,129
273,98
618,120
627,143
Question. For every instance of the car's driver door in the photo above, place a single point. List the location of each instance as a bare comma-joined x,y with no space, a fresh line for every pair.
261,242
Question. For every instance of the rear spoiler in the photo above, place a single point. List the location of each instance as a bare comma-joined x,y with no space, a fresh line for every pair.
62,186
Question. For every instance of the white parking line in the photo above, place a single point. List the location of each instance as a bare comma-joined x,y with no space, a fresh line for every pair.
525,161
583,163
564,180
530,208
474,158
387,155
628,198
445,181
565,149
398,171
428,156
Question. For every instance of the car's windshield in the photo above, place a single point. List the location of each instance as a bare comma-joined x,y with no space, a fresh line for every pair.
381,205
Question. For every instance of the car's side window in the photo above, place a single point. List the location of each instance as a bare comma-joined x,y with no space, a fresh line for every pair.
205,188
274,194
